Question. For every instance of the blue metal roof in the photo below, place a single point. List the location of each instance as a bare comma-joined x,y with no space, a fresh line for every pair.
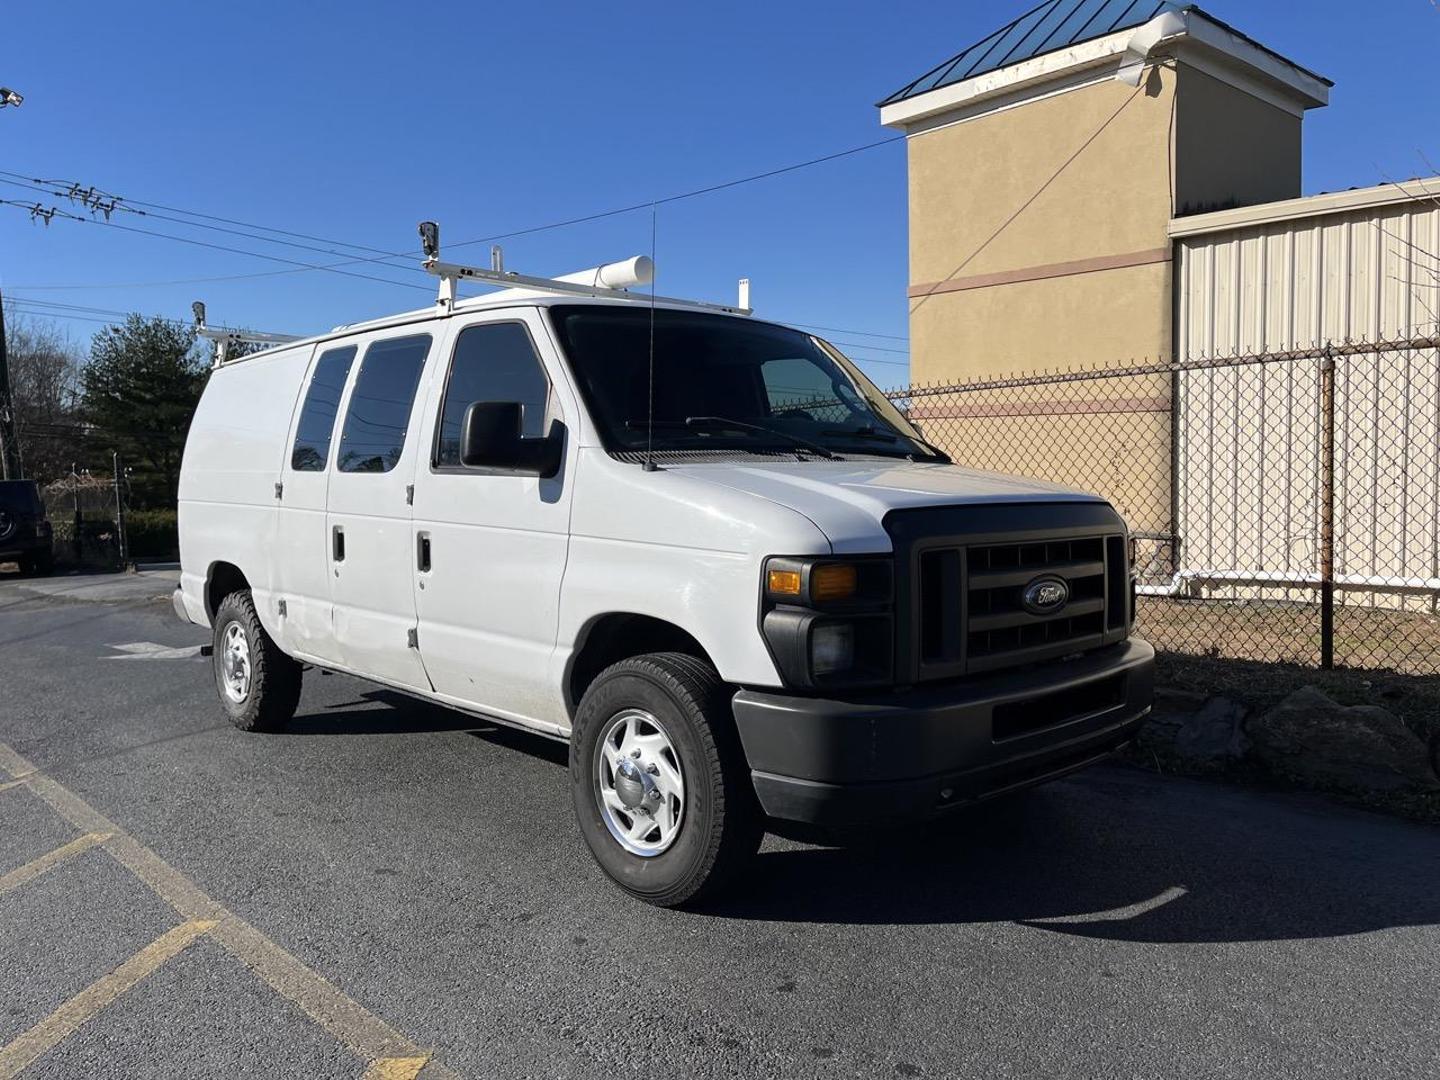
1054,24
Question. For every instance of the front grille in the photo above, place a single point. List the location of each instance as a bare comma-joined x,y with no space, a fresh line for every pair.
973,614
998,626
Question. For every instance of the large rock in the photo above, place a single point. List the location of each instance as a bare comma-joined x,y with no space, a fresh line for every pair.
1206,731
1215,732
1323,743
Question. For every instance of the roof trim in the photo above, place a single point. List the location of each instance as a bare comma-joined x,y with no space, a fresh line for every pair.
1334,202
1032,21
1211,44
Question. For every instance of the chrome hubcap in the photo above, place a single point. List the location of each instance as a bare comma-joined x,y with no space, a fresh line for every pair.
235,663
640,786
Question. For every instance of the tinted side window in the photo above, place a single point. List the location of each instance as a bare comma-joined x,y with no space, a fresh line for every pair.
495,362
317,415
379,410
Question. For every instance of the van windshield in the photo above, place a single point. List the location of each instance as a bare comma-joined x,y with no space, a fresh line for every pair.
722,383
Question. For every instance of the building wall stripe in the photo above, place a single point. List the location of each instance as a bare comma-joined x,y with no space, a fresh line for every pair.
1044,272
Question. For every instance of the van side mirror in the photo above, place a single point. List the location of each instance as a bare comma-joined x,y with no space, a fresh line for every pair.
491,438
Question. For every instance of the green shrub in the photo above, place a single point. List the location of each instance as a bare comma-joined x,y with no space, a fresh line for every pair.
152,534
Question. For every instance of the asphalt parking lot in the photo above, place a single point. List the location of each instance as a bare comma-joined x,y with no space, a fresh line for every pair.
388,891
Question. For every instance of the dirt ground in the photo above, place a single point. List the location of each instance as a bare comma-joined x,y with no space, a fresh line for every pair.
1366,638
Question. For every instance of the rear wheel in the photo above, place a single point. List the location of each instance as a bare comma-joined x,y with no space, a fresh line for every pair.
259,685
659,782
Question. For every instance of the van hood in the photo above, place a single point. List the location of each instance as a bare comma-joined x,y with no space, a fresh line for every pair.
848,500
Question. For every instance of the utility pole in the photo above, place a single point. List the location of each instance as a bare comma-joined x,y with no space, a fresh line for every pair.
9,447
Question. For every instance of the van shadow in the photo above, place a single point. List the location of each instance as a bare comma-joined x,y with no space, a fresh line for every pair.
1113,853
1121,855
386,712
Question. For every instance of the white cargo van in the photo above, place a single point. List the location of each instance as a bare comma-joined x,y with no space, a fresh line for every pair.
702,548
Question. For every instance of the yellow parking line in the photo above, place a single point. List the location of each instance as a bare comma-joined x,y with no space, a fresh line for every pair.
33,869
395,1069
68,1018
371,1038
14,783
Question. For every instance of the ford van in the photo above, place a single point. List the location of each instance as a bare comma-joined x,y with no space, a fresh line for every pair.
699,547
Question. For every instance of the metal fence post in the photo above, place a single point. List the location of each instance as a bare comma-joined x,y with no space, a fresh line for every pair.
77,534
1327,510
119,511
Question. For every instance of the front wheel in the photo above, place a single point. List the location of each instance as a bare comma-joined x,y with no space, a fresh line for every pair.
660,785
259,685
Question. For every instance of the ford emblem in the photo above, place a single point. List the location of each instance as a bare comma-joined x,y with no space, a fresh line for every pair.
1045,595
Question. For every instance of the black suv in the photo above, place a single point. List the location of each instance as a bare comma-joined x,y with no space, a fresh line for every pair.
24,529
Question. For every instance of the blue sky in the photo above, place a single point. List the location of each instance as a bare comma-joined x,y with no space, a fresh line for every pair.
353,121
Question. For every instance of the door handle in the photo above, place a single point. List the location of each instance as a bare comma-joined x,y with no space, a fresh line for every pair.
422,552
337,543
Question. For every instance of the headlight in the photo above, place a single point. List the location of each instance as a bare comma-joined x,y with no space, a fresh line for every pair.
828,622
832,648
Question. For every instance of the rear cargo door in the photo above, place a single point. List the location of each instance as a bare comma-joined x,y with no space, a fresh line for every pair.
299,558
368,538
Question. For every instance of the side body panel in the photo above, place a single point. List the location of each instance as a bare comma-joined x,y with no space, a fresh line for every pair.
227,505
489,603
680,549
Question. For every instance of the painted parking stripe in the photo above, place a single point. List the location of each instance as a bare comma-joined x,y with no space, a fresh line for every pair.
394,1069
14,783
1120,914
369,1037
33,869
149,650
70,1017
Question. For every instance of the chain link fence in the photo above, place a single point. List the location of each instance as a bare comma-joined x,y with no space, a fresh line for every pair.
85,521
1283,506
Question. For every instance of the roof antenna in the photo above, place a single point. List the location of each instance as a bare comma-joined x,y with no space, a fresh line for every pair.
650,405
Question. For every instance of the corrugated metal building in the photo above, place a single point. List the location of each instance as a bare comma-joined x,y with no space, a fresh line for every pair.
1353,266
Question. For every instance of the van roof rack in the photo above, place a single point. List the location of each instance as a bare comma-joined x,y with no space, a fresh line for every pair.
223,336
610,280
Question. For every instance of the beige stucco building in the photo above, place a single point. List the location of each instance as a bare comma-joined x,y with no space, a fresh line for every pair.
1047,161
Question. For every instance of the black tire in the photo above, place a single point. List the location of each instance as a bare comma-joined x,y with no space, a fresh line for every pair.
42,564
721,825
273,689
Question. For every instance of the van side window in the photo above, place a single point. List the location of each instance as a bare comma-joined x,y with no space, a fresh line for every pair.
379,411
492,362
317,416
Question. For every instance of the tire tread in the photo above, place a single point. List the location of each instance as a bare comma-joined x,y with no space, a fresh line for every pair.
275,678
697,687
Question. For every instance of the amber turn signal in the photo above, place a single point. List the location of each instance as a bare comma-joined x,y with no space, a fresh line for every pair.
836,581
783,582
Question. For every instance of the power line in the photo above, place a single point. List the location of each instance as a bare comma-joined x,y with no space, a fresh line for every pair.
106,316
39,212
842,330
108,204
381,257
96,200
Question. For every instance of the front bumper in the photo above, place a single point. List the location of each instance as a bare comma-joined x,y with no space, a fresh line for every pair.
921,752
25,543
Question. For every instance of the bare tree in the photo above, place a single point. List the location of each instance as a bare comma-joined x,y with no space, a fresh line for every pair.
44,389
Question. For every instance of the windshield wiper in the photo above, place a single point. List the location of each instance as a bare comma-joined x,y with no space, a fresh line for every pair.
936,454
885,436
723,422
864,433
